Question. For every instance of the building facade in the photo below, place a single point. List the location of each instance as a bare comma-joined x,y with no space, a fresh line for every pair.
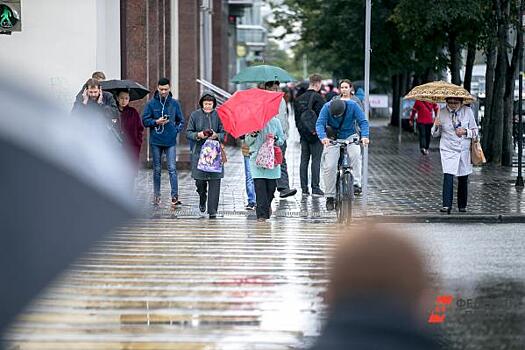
63,41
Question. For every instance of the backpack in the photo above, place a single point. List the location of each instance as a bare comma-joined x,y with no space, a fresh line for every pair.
307,120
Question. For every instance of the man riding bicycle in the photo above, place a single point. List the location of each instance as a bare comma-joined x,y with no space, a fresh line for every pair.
338,118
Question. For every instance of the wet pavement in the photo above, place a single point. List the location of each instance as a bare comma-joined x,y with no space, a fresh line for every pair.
187,284
403,184
173,280
237,284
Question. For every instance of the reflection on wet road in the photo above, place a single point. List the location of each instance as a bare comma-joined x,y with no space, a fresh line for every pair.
225,284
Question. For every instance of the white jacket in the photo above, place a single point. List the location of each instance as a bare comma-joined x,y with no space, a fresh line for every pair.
455,151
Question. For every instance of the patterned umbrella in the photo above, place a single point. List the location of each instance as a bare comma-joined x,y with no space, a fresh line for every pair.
438,91
249,110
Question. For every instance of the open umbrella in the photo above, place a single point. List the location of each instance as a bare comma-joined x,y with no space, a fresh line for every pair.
136,90
249,110
66,184
262,74
438,91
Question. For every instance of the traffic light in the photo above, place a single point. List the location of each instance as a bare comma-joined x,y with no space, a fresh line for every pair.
10,20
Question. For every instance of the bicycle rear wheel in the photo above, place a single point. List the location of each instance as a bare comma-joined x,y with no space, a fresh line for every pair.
344,198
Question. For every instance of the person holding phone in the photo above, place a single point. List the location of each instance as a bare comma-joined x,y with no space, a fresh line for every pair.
204,124
163,116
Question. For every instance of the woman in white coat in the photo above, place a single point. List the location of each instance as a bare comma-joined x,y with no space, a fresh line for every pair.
457,126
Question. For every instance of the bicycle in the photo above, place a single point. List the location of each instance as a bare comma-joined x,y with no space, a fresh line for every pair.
344,189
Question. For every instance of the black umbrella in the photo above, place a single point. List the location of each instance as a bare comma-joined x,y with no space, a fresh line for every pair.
63,185
136,90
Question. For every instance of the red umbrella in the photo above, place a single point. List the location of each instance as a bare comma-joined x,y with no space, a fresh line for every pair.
249,110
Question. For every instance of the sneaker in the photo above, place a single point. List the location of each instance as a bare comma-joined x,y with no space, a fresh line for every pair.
426,152
287,193
462,210
317,192
422,150
357,189
250,206
330,203
445,210
213,216
156,201
306,192
202,203
175,201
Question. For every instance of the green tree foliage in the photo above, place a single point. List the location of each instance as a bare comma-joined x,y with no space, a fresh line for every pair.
413,42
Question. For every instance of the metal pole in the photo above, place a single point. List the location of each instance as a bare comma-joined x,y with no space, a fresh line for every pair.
400,120
519,179
367,101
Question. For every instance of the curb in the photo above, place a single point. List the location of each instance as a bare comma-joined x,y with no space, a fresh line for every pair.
444,218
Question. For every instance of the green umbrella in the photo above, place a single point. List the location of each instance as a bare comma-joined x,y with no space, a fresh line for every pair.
261,74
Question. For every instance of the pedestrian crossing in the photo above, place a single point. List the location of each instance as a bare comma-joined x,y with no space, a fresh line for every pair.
188,284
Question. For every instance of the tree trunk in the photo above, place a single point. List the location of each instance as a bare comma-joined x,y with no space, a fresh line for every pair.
494,129
512,74
489,93
394,118
471,56
455,58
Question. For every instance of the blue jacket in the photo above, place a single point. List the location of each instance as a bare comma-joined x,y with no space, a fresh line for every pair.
163,135
353,114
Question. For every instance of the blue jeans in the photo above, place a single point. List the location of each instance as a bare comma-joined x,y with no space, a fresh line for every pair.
250,188
172,170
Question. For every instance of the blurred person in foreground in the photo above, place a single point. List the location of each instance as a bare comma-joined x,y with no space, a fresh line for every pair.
377,295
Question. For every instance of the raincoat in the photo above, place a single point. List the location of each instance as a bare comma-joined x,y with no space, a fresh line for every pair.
273,127
455,151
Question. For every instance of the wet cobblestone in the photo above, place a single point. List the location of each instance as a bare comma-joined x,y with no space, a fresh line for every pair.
402,181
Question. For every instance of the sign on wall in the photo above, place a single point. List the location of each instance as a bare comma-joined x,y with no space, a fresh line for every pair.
378,101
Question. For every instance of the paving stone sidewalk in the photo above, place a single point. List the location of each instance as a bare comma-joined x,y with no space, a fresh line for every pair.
402,183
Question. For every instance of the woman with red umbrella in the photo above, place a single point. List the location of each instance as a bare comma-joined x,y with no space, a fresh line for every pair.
265,179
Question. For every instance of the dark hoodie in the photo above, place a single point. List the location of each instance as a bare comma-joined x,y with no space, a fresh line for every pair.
200,121
165,135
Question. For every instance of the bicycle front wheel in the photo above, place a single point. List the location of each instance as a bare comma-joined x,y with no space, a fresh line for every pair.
344,203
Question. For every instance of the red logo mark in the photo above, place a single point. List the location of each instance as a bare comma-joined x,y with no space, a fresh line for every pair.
438,314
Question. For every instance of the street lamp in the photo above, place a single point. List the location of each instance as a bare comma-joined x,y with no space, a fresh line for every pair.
519,178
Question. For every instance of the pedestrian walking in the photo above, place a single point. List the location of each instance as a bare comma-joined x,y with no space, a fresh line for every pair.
307,107
204,124
93,99
131,125
163,116
457,127
248,180
425,112
283,183
265,175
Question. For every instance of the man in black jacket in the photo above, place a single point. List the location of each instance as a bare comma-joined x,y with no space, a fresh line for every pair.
311,146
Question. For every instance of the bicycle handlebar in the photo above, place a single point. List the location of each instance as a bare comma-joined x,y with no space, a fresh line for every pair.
355,141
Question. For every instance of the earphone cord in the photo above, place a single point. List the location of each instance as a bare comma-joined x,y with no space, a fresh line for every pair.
160,129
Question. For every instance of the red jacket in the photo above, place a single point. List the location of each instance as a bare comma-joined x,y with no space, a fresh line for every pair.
132,128
424,112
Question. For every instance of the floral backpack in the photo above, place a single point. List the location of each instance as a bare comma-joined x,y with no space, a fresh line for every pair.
210,158
266,155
